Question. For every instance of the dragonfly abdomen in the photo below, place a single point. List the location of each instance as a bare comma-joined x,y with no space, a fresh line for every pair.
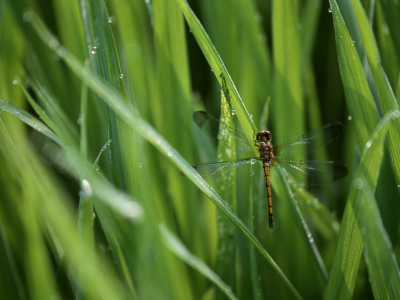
266,166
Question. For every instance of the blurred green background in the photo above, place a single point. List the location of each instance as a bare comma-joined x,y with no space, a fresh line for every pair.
96,103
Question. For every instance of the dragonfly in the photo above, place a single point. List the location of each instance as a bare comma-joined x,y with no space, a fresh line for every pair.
277,160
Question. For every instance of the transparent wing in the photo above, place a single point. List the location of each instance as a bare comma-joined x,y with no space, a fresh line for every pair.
212,125
307,172
314,140
212,169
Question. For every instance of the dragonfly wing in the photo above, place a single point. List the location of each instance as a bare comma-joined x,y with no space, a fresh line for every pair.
307,172
212,169
309,142
214,127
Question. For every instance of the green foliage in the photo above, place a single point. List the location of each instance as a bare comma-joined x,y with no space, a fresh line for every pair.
92,205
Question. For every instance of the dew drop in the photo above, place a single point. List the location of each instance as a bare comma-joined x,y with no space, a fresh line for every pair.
352,43
385,30
15,81
329,10
252,172
369,143
395,114
169,154
86,192
110,20
93,215
27,16
258,18
358,183
121,76
79,121
349,118
97,168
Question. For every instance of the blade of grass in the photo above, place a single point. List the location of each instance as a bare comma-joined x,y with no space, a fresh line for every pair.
135,33
179,249
49,210
29,120
217,65
390,60
386,95
255,276
358,95
288,193
117,201
125,270
132,118
173,83
287,74
104,61
41,113
309,19
345,266
226,183
255,81
391,10
381,261
37,263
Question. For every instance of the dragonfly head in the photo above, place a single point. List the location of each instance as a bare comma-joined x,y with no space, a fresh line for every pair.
264,136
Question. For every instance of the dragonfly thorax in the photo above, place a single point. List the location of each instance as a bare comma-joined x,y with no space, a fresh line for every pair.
264,136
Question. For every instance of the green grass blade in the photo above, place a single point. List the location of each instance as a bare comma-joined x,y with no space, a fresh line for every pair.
226,183
358,95
309,19
322,218
217,66
390,60
383,268
255,81
137,61
179,249
255,276
244,50
386,95
50,215
30,120
125,269
287,74
391,10
132,119
345,266
173,84
104,61
288,193
41,113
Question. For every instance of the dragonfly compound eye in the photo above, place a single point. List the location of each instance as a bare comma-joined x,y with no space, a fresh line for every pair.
264,136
